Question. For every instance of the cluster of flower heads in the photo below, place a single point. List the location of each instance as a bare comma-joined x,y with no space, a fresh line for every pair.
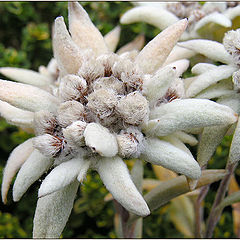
92,108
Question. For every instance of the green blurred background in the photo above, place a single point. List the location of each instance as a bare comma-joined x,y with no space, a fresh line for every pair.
25,41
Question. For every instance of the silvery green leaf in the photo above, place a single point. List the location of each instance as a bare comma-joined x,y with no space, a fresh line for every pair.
83,31
27,97
208,78
25,76
112,38
163,153
53,211
31,170
188,113
154,54
211,49
61,176
16,159
115,176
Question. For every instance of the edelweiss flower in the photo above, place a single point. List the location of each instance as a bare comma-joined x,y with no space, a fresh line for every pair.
210,20
105,108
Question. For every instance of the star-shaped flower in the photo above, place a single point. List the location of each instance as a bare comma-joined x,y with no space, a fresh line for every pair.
104,108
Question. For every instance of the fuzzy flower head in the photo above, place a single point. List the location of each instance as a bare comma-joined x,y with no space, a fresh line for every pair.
102,108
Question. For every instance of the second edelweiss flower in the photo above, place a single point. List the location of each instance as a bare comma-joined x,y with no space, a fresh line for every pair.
106,108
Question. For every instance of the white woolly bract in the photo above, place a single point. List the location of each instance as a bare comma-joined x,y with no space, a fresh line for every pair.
83,171
200,68
83,31
74,133
158,17
115,176
156,86
66,52
31,170
234,148
236,80
232,13
16,116
100,140
136,44
61,176
17,157
154,54
112,38
232,101
69,112
208,78
53,211
180,65
163,153
188,113
186,138
211,49
27,97
25,76
210,138
133,108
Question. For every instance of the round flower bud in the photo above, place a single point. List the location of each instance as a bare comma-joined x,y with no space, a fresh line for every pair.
133,108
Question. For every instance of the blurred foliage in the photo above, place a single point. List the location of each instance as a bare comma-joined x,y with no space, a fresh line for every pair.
25,41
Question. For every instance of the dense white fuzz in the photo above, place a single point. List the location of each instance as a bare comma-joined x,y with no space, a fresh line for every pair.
16,159
25,76
133,108
31,170
70,111
211,49
163,153
186,138
156,87
208,78
74,133
154,54
83,31
158,17
83,171
109,83
115,176
137,44
234,149
53,211
130,143
112,38
232,101
232,13
188,113
210,138
48,145
52,68
200,68
66,52
236,80
44,122
102,102
61,176
72,87
180,65
100,140
16,116
27,97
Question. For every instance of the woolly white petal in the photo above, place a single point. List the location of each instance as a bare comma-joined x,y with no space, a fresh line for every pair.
210,77
180,65
61,176
83,31
232,13
112,38
17,157
200,68
157,86
210,138
188,113
136,44
215,17
162,153
25,76
154,54
53,211
234,149
27,97
115,176
66,52
31,170
157,17
186,138
100,140
211,49
16,116
232,101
